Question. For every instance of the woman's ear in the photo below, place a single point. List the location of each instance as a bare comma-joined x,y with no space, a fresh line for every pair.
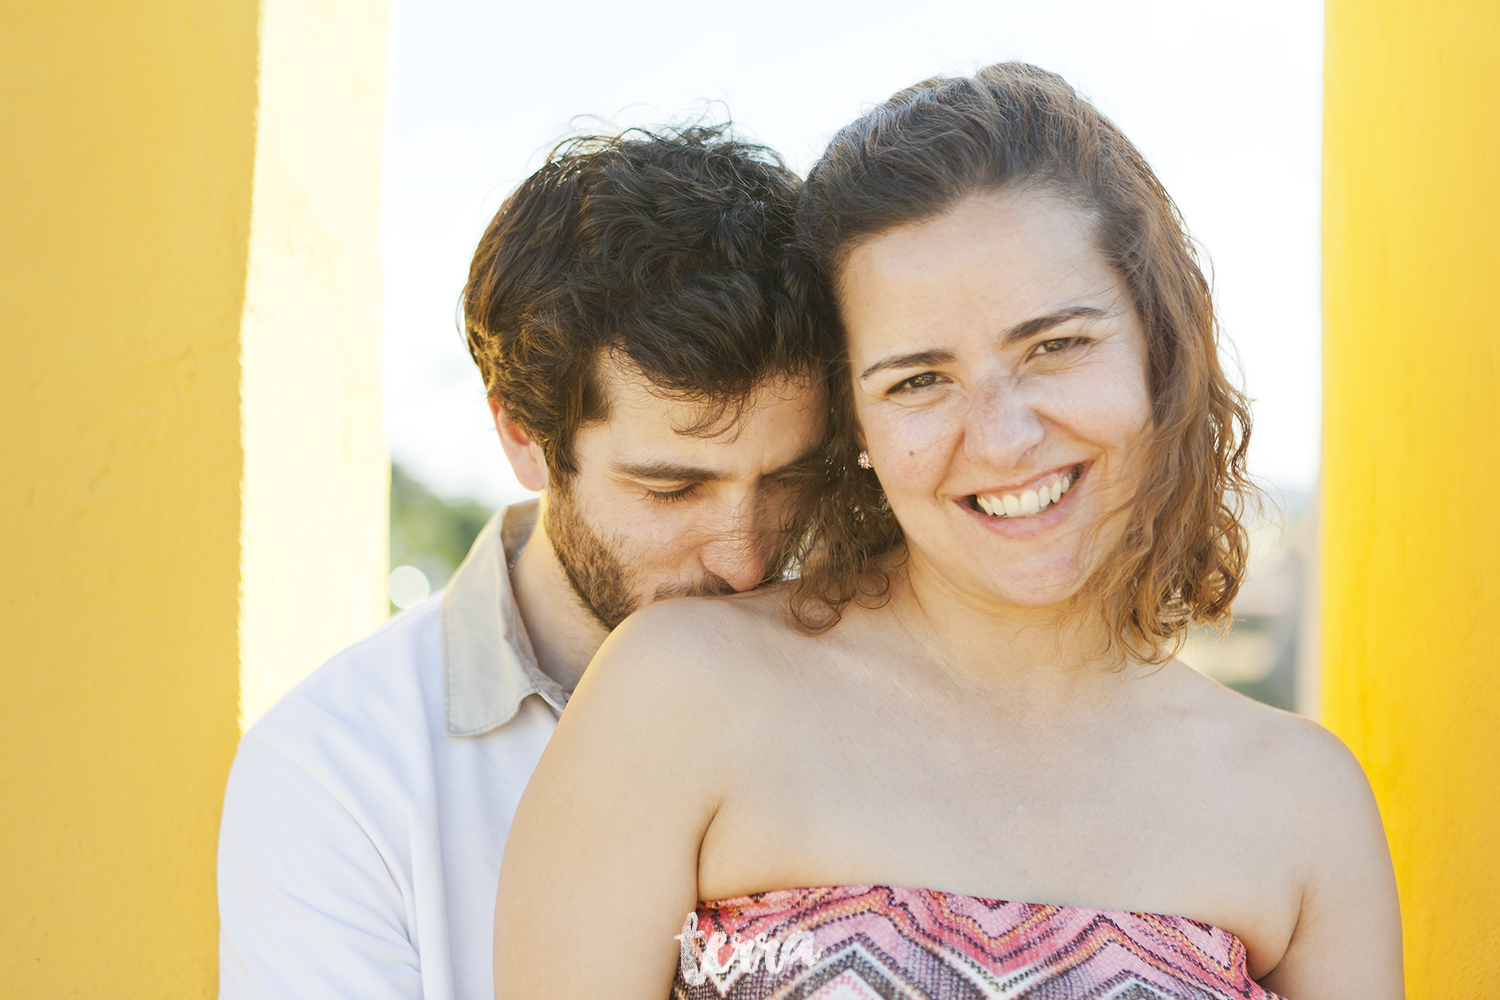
526,458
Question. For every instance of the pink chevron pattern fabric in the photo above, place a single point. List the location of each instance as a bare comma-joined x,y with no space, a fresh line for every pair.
882,943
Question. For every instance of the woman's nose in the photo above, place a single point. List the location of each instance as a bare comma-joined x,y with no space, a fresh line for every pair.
1002,424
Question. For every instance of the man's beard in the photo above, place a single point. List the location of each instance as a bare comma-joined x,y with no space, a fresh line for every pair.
599,577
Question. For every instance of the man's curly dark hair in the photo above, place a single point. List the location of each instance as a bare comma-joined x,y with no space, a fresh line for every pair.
666,251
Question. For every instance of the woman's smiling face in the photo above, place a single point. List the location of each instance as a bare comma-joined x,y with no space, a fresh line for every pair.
1000,385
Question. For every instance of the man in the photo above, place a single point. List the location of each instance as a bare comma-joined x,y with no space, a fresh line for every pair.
649,368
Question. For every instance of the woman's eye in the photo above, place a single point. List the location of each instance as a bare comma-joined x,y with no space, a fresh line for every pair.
921,381
671,496
1055,345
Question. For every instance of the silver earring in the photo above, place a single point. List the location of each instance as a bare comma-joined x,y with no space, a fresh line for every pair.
864,460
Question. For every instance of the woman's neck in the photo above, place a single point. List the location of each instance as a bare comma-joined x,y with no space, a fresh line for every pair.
1025,655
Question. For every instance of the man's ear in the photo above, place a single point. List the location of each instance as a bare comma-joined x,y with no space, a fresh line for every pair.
525,455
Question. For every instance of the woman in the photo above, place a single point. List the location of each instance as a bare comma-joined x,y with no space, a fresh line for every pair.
1038,464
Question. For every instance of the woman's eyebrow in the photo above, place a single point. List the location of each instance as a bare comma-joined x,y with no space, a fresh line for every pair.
1021,331
920,358
1032,327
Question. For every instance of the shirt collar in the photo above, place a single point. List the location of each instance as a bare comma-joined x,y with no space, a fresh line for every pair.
489,667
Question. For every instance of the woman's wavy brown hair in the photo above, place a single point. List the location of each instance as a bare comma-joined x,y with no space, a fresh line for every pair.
1181,556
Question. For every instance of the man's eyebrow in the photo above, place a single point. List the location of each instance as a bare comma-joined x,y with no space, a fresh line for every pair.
668,472
811,458
678,472
1021,331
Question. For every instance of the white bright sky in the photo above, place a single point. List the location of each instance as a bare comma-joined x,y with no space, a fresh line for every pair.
1224,99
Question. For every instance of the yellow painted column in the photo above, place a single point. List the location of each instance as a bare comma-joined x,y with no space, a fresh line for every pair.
192,505
1411,621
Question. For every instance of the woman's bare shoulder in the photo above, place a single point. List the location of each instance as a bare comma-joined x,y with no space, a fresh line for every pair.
1296,750
701,633
702,652
1306,785
1312,775
1321,816
660,714
694,623
1286,750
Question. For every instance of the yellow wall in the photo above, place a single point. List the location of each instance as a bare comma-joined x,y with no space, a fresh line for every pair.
1411,619
315,478
145,533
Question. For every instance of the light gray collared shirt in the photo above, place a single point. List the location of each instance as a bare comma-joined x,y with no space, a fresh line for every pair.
366,813
489,666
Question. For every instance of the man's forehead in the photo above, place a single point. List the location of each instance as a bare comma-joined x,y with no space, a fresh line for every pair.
650,433
631,396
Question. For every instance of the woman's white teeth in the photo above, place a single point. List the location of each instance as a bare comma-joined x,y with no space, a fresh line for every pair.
1026,502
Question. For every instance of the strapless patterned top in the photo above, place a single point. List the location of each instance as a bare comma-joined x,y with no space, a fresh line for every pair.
863,942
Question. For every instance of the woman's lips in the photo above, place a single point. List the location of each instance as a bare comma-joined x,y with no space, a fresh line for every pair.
1028,502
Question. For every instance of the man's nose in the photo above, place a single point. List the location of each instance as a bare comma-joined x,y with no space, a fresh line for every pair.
735,554
1002,424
